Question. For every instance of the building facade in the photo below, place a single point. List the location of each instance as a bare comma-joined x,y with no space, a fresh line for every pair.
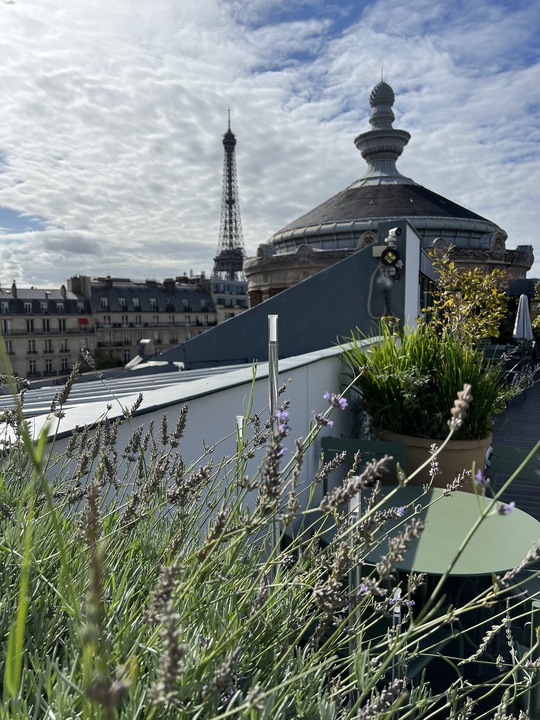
45,330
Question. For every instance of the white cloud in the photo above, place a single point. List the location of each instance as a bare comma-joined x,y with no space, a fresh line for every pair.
112,117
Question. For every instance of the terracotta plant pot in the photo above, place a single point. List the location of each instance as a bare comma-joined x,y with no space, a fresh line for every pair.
457,456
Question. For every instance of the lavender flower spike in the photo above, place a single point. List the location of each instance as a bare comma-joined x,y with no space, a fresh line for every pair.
335,400
506,509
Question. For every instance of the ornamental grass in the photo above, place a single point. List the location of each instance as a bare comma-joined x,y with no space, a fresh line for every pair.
134,586
407,381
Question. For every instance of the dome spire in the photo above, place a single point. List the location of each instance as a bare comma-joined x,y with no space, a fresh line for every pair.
383,144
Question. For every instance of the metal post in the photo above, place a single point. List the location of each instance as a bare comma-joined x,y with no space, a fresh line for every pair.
273,366
273,397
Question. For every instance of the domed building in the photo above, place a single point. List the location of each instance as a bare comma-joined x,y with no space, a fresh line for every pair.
349,221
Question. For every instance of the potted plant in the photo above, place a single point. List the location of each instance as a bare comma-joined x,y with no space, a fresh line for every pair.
407,383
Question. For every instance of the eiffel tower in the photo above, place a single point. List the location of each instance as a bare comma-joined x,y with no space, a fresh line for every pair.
229,260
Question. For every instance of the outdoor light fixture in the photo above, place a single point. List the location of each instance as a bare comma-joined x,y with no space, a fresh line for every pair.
390,261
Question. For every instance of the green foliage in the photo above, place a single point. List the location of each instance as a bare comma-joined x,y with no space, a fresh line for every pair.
134,587
468,303
408,382
536,321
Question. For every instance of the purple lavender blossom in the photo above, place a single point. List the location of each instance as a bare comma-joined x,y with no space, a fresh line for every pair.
480,479
336,400
321,420
506,509
400,511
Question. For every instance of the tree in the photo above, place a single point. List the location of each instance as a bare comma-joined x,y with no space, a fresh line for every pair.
470,303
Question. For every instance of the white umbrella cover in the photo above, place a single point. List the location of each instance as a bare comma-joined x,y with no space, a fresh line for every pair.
522,326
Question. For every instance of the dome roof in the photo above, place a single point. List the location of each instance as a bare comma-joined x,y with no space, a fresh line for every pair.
382,201
382,194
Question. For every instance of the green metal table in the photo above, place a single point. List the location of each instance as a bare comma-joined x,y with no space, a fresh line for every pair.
498,544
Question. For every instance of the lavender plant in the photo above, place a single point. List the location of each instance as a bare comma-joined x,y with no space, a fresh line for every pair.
176,600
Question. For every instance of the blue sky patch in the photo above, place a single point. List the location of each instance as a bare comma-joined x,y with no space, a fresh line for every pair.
13,222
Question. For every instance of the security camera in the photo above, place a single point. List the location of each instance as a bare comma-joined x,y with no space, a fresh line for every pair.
393,233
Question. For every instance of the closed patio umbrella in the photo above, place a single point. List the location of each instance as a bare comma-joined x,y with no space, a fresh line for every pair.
522,326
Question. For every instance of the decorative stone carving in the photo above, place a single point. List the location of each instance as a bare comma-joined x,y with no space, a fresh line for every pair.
440,246
498,245
366,239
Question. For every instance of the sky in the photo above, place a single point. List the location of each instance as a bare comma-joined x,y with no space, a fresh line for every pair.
112,116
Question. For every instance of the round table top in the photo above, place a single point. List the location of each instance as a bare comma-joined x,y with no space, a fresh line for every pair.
498,544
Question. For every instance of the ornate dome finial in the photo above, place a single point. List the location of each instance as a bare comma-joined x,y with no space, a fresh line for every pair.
383,144
381,100
382,94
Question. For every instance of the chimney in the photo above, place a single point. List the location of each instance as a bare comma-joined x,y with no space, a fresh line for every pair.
63,291
14,289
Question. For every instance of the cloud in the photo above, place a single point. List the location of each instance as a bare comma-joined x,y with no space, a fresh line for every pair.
113,117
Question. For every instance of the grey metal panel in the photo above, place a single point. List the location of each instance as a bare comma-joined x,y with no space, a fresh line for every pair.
317,313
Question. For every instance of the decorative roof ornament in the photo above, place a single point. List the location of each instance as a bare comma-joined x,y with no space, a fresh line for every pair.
383,144
381,100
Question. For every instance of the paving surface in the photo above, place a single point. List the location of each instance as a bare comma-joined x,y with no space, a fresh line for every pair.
519,426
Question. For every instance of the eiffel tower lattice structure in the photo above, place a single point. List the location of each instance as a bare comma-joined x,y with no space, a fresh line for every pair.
229,260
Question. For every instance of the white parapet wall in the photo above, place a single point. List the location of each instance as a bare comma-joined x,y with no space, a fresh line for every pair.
215,400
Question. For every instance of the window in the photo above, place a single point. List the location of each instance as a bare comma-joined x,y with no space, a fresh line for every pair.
125,320
188,319
6,327
5,308
172,319
153,304
48,366
80,307
64,363
29,326
28,308
9,347
155,319
46,325
174,338
127,356
61,325
138,320
32,367
184,304
44,308
136,304
122,303
60,307
107,321
32,346
205,320
64,345
104,303
48,346
127,339
229,315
